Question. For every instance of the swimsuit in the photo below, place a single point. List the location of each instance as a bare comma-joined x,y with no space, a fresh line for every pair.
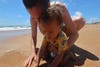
60,43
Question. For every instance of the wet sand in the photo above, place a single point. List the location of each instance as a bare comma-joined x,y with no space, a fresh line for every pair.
14,50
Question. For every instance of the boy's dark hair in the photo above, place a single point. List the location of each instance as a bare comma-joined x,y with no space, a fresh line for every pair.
50,14
31,3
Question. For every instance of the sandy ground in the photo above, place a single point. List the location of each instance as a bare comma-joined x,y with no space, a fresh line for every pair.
15,50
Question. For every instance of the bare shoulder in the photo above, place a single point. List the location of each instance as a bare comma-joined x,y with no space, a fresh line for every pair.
60,4
61,7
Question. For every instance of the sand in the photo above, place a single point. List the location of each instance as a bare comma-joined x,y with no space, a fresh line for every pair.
15,50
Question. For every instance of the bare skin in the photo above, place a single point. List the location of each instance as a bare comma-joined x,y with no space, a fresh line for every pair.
50,31
71,28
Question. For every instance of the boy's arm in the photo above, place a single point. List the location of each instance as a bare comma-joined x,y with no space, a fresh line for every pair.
62,48
57,59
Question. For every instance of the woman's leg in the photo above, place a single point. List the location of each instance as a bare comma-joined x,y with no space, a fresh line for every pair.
69,55
79,22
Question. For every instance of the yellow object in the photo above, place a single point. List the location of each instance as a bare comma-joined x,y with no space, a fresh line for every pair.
60,43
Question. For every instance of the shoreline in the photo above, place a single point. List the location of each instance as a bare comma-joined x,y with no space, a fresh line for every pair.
12,33
15,49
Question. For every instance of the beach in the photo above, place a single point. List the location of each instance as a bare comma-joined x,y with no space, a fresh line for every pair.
16,47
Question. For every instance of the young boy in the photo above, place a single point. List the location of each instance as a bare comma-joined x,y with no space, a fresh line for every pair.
54,48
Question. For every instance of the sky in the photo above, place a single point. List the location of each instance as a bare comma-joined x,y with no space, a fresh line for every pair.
13,12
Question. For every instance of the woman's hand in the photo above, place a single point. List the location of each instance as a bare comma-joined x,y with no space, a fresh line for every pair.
29,60
35,63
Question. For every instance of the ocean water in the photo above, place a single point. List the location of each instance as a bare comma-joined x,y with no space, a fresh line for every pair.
11,31
6,28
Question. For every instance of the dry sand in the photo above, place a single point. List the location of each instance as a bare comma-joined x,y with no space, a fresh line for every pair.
14,51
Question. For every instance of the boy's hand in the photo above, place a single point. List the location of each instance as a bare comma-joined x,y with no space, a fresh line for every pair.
29,60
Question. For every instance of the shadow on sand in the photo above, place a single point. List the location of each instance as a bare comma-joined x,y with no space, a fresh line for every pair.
82,56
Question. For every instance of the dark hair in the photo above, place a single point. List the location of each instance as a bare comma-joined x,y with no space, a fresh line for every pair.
50,14
31,3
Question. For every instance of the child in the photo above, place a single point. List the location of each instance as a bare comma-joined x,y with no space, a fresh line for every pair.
54,48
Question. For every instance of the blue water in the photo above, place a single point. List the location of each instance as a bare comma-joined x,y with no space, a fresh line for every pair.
12,33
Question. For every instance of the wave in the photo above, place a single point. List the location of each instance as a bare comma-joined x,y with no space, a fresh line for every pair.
6,28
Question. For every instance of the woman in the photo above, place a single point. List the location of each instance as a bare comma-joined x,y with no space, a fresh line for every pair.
36,7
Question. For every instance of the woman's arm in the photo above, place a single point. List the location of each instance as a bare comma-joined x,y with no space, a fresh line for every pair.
70,27
29,60
41,51
34,32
